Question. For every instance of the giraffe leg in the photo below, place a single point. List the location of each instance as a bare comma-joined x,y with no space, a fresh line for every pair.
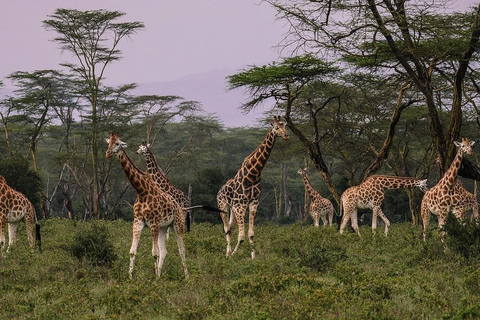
161,240
12,234
252,211
323,215
30,223
181,249
345,218
155,249
330,215
425,213
3,221
137,231
354,218
382,216
239,212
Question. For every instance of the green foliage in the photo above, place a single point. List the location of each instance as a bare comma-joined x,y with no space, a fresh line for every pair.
93,244
300,272
18,175
463,237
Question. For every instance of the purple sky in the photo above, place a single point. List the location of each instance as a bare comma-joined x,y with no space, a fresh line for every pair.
180,37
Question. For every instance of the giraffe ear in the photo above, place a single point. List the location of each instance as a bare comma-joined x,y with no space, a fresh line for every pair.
457,144
148,145
108,140
472,143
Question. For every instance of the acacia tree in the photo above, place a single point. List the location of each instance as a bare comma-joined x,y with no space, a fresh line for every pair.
413,40
93,38
285,82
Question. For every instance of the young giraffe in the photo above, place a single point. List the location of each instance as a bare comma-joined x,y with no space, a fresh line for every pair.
369,195
442,199
153,208
14,206
320,207
162,181
243,190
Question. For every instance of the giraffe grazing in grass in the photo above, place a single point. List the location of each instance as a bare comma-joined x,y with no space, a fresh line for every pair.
446,196
163,182
14,206
153,207
369,195
320,207
243,190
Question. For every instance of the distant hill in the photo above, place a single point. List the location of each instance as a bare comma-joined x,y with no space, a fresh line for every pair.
209,88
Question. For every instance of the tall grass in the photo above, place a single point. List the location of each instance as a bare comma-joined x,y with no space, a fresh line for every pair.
301,272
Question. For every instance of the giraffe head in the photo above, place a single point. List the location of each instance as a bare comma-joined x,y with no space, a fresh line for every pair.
280,128
465,147
114,145
422,185
143,148
302,171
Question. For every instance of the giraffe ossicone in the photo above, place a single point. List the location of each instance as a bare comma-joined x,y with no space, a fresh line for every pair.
153,208
320,207
242,192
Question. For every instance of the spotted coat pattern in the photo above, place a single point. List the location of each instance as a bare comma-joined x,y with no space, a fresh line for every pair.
243,190
14,206
320,207
153,208
159,177
370,195
446,196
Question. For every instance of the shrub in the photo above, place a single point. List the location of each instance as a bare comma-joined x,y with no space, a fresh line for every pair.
463,236
93,244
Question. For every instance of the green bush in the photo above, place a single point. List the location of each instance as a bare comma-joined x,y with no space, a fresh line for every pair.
463,236
92,244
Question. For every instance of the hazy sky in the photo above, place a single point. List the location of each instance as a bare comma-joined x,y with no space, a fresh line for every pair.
181,37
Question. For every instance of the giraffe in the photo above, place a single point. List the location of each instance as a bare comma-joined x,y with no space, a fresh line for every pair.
153,208
14,206
320,207
463,201
163,182
243,190
442,198
369,195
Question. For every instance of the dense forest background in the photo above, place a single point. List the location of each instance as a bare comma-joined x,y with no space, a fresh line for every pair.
386,89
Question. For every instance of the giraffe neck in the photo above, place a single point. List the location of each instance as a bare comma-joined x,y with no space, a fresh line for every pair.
152,166
254,163
390,182
450,177
308,185
134,175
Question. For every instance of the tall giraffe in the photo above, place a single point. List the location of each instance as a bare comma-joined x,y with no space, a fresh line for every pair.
153,208
369,195
243,190
320,207
163,182
14,206
442,199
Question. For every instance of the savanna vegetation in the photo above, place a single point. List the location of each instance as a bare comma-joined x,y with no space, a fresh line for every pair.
369,87
301,272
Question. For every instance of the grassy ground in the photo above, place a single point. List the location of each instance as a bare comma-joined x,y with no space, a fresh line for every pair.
301,272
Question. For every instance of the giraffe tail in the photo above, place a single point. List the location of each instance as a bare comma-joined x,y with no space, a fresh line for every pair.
38,237
340,214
